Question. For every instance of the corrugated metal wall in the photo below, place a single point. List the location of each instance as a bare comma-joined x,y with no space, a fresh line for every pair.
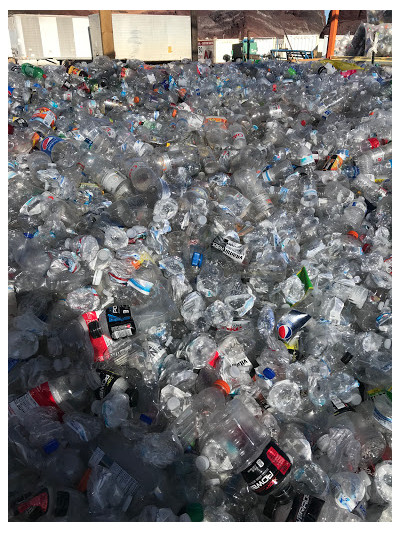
301,42
264,46
57,37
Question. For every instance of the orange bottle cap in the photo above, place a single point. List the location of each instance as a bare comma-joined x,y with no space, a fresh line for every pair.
223,385
353,234
136,99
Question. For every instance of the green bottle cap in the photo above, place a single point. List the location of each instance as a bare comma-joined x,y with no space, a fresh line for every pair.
195,511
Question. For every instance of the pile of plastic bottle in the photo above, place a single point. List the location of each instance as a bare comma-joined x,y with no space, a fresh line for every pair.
199,292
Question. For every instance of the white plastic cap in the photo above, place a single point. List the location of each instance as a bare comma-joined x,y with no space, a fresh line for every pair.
202,220
202,463
387,344
355,399
234,371
173,403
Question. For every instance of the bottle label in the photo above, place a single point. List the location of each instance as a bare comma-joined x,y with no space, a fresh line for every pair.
334,162
305,508
45,116
264,174
100,345
120,322
34,507
218,120
48,144
339,406
40,396
74,71
141,285
20,122
306,160
271,467
385,421
229,248
291,323
108,379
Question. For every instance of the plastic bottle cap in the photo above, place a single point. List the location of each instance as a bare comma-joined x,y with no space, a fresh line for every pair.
103,254
355,399
347,358
136,99
51,446
202,220
234,372
223,385
387,344
195,511
173,403
269,373
353,234
202,463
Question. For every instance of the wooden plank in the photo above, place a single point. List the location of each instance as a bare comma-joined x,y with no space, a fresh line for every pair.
195,45
107,36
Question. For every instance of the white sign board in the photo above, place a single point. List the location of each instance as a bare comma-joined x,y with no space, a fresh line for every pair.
152,37
206,49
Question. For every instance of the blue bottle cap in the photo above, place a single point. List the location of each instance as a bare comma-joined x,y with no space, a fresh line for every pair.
268,373
146,419
51,446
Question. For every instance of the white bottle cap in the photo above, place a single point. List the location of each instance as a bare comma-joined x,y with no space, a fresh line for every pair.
234,372
202,463
355,399
387,344
173,403
202,220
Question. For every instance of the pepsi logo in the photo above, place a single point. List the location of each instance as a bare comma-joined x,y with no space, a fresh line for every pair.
45,143
284,332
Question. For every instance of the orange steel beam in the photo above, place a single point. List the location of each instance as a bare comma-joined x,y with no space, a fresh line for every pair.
332,33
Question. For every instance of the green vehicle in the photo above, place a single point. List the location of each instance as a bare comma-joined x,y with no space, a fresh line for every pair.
246,50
